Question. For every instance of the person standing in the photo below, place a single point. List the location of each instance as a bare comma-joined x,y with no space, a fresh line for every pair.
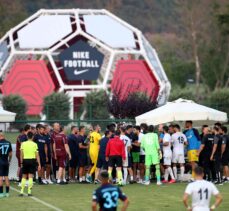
115,155
102,163
29,160
225,153
216,154
193,139
179,140
150,144
5,159
61,150
167,156
95,138
205,152
107,195
74,150
201,192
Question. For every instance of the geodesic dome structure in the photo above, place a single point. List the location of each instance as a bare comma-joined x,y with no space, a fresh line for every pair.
76,51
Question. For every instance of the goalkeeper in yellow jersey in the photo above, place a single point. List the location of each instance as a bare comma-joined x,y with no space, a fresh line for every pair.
95,138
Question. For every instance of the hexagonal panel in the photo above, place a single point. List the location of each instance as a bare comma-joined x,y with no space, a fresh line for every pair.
109,31
132,76
44,31
31,80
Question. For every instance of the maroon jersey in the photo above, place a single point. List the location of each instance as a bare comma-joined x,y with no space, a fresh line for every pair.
60,140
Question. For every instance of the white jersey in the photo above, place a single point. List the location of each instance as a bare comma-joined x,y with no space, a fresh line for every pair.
140,136
127,143
201,192
167,149
178,140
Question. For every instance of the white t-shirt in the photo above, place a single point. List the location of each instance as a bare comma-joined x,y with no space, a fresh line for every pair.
167,149
178,140
127,143
201,192
140,136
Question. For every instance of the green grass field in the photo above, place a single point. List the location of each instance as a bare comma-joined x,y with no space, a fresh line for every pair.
78,197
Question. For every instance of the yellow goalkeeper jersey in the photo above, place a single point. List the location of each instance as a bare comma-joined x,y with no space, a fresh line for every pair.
94,142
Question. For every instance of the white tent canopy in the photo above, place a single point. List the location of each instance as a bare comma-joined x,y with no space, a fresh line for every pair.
6,116
182,110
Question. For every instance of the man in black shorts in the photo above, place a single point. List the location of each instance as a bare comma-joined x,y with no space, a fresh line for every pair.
5,158
83,159
225,153
29,159
107,195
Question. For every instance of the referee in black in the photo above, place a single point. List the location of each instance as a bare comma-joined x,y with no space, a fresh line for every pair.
5,158
29,159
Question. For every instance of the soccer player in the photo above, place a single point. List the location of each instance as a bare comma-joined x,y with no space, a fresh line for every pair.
115,155
150,145
225,153
5,159
167,155
49,152
95,138
193,139
83,146
135,151
179,140
201,192
102,163
74,150
216,154
29,159
40,140
107,195
126,168
61,150
205,152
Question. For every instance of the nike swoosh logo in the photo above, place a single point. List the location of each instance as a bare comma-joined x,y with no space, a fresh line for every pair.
79,72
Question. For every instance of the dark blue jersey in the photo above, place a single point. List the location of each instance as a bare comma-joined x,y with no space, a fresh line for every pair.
48,142
103,146
107,197
5,149
73,144
82,140
41,141
23,138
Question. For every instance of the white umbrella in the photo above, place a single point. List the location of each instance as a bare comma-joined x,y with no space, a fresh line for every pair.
6,116
181,110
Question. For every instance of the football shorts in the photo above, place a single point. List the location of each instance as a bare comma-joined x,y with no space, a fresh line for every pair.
192,156
178,158
151,160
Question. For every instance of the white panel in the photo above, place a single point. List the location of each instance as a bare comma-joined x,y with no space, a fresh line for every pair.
109,31
44,31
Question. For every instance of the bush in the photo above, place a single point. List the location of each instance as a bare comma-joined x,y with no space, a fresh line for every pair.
57,106
185,93
16,104
135,104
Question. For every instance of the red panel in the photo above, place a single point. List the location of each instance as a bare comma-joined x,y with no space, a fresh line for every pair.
132,76
30,79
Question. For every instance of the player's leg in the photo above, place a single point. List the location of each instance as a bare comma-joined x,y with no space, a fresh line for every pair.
148,162
7,183
1,186
94,159
142,168
175,170
23,182
181,161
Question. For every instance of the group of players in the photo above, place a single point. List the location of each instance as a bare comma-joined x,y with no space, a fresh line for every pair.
123,150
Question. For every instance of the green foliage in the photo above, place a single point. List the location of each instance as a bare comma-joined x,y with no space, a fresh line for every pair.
219,99
57,106
95,103
16,104
135,104
179,92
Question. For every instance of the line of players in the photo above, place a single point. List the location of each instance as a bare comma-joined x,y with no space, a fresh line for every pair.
139,151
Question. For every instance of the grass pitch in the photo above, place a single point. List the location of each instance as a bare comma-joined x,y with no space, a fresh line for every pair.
78,197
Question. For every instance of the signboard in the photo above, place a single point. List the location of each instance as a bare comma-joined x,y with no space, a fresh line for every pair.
81,62
3,53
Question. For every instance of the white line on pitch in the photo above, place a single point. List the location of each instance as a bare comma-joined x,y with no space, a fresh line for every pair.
40,201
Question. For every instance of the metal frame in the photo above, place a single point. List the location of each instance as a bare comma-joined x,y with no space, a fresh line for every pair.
49,52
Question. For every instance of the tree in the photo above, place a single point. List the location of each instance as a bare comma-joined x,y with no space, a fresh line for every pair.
16,104
95,103
135,104
57,106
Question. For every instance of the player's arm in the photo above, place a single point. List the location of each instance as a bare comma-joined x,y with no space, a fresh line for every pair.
66,146
124,199
125,205
21,154
201,149
107,151
185,201
54,150
223,147
81,146
94,206
38,160
46,152
214,147
218,200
